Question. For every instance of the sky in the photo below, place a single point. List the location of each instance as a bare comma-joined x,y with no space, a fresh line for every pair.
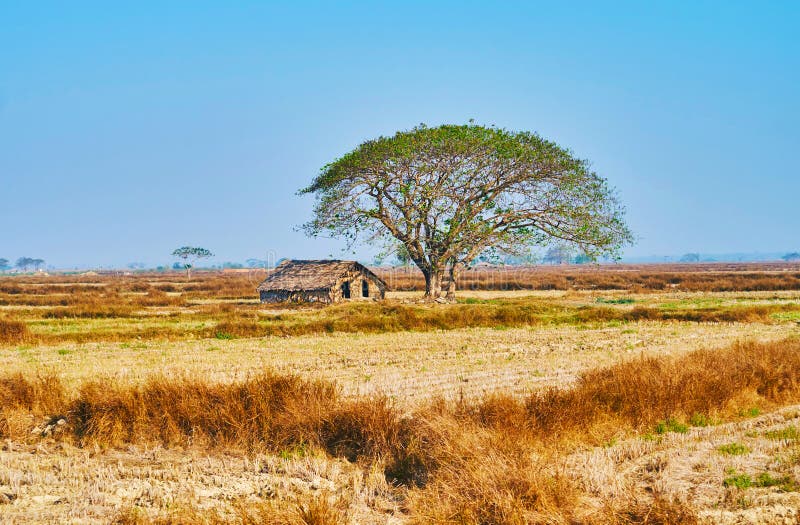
128,129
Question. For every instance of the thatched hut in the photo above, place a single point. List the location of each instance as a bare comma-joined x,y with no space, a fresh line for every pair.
320,282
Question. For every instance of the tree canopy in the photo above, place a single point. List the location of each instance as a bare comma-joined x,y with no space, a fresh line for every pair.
448,194
191,253
690,258
26,263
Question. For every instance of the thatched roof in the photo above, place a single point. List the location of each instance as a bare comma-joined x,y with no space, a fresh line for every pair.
311,275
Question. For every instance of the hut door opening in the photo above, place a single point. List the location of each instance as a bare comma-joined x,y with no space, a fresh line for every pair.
364,288
346,290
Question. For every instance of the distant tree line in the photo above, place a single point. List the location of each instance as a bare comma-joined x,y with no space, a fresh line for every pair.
23,264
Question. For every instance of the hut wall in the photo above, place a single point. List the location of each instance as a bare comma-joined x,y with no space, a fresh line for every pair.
296,296
375,291
355,280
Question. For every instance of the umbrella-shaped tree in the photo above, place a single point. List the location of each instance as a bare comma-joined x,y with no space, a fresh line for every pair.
449,193
190,255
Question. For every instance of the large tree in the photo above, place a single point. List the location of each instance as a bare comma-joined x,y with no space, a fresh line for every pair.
450,193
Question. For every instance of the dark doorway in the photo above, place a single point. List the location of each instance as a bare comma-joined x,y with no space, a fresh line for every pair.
346,290
364,289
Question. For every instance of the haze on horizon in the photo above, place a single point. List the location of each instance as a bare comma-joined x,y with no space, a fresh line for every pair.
129,130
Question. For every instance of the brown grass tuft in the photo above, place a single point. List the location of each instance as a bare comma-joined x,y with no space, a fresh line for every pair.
22,397
307,510
658,511
13,332
646,390
268,411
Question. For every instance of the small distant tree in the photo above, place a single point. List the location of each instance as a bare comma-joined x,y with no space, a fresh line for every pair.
38,264
690,258
789,257
559,254
24,263
4,265
256,263
190,255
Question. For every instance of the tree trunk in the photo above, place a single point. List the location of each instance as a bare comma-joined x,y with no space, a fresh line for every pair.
451,286
433,284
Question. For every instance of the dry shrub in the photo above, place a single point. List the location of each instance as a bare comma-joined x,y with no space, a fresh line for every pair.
382,318
653,277
22,397
655,511
272,411
643,391
233,329
268,411
364,428
739,314
487,461
43,394
386,317
13,332
481,477
319,509
90,311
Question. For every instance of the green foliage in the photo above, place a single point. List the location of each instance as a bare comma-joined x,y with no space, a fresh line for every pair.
452,193
765,479
622,300
700,420
733,449
739,481
785,483
296,451
192,253
790,433
671,425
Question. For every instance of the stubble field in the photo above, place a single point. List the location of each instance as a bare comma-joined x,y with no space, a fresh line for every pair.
609,395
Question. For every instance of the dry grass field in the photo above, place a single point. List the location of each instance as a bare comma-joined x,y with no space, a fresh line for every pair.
612,394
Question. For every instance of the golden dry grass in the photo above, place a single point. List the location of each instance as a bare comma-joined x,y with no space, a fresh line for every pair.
713,277
462,461
409,366
13,332
121,391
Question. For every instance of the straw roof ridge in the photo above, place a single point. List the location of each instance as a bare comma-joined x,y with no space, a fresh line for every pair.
323,274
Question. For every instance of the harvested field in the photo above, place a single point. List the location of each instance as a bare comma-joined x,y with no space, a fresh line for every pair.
144,399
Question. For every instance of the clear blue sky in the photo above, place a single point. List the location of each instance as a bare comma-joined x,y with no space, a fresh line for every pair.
129,130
